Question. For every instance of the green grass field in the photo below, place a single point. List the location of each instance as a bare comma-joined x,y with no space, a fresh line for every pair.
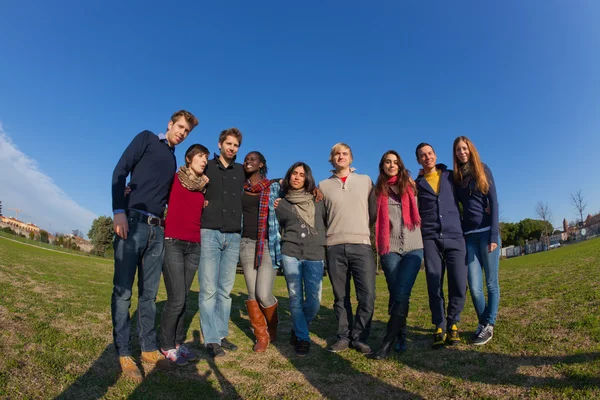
56,341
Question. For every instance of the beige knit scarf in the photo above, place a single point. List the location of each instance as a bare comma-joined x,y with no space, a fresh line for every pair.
191,181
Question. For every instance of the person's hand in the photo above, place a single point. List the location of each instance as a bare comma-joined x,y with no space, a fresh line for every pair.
492,247
318,195
421,172
276,202
127,190
121,226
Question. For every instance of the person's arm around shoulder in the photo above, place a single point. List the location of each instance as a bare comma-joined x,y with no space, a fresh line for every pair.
494,210
130,157
372,205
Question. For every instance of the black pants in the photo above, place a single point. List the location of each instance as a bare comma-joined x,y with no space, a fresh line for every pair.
442,255
181,263
346,261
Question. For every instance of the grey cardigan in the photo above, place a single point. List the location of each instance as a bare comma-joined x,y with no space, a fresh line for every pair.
296,241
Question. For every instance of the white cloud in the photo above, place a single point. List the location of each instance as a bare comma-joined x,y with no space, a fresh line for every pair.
24,186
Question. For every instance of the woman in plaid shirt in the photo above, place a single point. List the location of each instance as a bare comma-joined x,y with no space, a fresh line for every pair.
260,249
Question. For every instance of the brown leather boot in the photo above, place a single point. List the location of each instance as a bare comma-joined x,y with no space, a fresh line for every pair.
130,368
272,317
258,323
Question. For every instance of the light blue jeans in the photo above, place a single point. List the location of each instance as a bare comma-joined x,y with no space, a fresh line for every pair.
304,280
219,255
481,262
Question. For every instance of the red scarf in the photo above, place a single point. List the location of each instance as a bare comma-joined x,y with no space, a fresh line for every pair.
410,216
262,187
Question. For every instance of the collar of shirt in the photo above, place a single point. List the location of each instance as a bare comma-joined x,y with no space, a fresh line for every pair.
163,138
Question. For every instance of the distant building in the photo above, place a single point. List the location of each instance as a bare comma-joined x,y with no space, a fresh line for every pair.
23,228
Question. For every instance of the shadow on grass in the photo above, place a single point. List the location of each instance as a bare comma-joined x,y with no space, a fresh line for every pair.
182,383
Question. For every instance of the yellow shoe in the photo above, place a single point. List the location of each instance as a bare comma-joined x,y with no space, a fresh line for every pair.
453,336
130,369
156,358
439,338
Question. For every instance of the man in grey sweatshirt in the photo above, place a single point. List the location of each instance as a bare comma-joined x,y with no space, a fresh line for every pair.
351,209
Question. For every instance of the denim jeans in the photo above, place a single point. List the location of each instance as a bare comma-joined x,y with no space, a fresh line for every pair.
401,271
181,263
143,251
345,261
304,280
259,281
479,260
219,256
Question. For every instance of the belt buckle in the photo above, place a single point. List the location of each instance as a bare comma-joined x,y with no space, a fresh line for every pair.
151,220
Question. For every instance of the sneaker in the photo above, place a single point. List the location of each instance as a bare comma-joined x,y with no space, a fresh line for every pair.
184,352
453,336
477,332
340,345
215,350
362,347
227,345
486,334
174,356
130,369
439,338
302,348
293,339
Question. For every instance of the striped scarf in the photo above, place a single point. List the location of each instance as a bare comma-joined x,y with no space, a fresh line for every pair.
262,187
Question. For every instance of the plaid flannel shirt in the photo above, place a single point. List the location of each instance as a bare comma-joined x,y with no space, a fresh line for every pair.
273,226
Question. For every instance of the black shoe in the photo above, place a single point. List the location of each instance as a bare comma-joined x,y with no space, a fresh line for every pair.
227,345
400,346
439,338
215,350
293,339
302,348
453,336
362,347
340,345
486,334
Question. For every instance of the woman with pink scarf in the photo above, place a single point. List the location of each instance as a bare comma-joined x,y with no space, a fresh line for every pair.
399,243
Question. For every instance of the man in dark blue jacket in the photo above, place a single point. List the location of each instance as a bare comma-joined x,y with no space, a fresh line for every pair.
139,234
443,245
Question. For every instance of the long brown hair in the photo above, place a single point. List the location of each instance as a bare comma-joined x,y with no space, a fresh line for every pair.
475,166
382,187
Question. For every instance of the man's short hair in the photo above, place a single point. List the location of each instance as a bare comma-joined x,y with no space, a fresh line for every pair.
421,145
189,117
235,132
336,148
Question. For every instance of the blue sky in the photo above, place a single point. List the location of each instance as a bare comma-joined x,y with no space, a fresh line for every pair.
79,79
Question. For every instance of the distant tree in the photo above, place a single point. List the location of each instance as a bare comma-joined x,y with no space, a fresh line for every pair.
77,232
101,234
31,235
542,211
508,233
44,236
578,204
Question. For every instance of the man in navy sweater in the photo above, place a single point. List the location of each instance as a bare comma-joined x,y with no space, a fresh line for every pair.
139,235
443,245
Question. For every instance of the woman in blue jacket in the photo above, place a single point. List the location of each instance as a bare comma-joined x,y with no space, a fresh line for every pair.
476,191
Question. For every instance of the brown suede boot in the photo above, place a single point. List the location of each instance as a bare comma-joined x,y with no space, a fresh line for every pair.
272,317
130,369
258,323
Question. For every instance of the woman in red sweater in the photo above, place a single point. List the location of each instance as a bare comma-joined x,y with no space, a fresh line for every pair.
182,250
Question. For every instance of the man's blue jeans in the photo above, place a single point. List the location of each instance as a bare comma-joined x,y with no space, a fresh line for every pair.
479,262
219,256
143,250
304,280
401,271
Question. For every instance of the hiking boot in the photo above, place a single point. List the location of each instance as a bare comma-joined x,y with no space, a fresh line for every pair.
453,336
362,347
439,338
293,339
184,352
477,332
174,356
486,334
130,369
340,345
156,358
227,345
215,350
302,348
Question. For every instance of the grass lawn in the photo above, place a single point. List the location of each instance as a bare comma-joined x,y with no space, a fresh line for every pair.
56,340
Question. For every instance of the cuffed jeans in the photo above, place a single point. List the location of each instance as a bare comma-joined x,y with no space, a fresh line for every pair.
479,260
441,255
142,251
259,281
401,272
304,279
346,261
181,263
219,256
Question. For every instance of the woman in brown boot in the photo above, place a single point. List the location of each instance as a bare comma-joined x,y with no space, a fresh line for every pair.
260,251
